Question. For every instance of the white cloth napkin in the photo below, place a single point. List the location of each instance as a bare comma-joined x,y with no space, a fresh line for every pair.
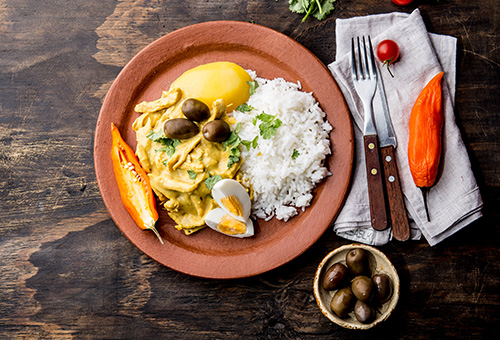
454,201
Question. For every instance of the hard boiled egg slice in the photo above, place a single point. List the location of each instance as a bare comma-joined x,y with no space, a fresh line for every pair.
231,196
219,220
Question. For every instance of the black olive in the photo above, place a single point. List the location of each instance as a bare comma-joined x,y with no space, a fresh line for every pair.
216,131
180,128
364,312
335,276
362,288
195,110
383,287
357,261
342,302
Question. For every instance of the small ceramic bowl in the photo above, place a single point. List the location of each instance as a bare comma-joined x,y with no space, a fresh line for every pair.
378,264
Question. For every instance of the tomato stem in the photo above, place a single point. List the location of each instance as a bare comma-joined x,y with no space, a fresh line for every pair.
387,63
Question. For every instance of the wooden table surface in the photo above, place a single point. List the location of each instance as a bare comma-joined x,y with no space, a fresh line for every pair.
66,270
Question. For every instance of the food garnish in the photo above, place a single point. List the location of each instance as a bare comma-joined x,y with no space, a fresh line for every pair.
269,125
233,216
232,144
253,86
388,53
168,144
133,184
211,181
317,8
424,144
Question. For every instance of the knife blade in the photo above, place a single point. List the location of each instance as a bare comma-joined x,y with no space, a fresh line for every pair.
388,144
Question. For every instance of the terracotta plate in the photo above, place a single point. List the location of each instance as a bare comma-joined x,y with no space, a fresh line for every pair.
271,54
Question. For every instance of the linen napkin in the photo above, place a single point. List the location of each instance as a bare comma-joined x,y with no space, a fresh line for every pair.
454,201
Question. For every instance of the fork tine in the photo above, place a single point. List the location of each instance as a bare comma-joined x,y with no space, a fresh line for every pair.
373,69
365,59
362,73
353,61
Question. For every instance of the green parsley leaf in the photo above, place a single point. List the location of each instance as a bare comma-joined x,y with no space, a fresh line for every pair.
233,143
319,9
231,160
168,144
237,129
265,117
250,144
254,142
211,181
295,154
244,108
246,143
192,174
233,137
269,129
253,86
154,135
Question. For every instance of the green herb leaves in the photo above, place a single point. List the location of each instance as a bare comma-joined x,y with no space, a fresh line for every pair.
244,108
295,154
211,181
233,143
192,174
168,144
253,86
269,125
250,144
317,8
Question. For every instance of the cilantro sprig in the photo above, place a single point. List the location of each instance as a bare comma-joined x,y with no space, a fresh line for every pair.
211,181
233,144
253,86
192,174
317,8
244,108
168,144
269,125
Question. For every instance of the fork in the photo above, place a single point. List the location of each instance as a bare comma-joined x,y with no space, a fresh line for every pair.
364,76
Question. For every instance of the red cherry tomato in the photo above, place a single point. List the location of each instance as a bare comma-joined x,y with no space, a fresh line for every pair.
388,53
402,2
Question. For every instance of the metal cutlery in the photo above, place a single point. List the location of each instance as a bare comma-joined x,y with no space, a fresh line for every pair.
388,144
364,76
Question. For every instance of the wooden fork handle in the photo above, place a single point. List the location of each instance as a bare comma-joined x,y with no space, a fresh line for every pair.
399,219
378,210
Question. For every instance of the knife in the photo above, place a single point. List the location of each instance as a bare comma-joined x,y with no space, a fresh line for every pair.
388,144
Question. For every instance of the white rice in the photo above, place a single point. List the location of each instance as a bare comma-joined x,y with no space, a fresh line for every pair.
281,184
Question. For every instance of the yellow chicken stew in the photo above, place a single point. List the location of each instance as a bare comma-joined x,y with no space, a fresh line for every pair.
179,168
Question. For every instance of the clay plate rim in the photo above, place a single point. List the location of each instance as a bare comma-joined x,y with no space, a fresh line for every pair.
271,54
378,262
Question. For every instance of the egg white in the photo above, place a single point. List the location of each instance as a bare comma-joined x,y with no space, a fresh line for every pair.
214,216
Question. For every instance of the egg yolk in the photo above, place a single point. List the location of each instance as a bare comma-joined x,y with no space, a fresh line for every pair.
233,205
231,226
213,81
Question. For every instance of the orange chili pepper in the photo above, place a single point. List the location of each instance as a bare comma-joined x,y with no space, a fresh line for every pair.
133,184
426,126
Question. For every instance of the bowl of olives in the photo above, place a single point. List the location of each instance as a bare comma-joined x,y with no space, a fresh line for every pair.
356,286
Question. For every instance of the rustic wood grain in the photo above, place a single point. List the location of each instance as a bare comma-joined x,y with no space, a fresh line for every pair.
66,270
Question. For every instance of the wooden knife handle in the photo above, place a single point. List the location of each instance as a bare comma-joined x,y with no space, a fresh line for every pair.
376,194
399,219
